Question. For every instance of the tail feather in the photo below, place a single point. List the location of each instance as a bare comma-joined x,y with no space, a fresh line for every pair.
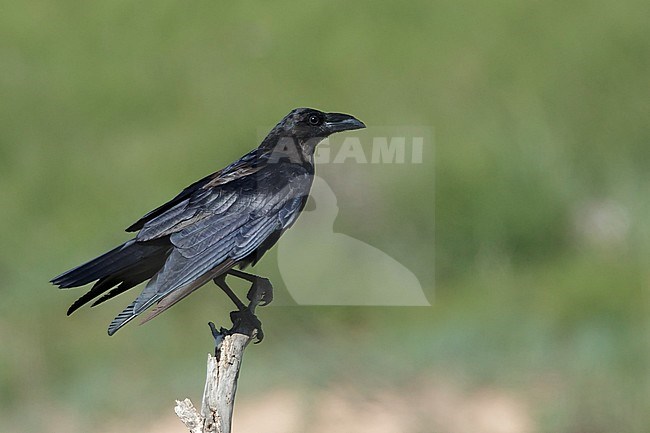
115,259
98,288
113,293
122,319
129,277
164,299
146,271
125,266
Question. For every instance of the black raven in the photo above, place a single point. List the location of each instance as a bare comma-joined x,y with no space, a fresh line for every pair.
225,220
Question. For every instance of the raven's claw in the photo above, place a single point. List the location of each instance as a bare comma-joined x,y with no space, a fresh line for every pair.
260,293
246,322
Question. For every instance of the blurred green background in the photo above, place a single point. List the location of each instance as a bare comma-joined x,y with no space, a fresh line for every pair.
540,319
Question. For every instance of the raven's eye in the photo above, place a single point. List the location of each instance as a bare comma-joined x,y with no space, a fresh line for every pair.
314,120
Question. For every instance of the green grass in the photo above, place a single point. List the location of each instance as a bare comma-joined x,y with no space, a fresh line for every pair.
540,228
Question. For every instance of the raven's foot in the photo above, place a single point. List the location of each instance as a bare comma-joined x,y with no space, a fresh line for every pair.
246,322
260,293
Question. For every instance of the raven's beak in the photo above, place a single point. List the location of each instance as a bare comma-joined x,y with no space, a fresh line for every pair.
337,122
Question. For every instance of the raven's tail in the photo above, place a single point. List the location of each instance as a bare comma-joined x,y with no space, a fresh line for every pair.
125,266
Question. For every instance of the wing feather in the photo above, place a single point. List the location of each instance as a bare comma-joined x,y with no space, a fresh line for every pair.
243,167
210,232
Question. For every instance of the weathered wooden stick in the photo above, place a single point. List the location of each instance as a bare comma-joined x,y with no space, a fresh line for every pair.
223,368
220,388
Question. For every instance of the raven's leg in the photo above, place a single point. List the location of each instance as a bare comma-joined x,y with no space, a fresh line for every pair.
221,282
243,321
261,291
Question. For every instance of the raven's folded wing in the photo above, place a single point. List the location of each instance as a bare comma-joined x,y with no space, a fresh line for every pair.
244,166
223,232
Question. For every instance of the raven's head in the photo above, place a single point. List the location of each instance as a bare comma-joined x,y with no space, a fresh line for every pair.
306,127
308,123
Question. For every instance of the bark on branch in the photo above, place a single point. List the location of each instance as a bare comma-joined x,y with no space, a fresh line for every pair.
220,387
